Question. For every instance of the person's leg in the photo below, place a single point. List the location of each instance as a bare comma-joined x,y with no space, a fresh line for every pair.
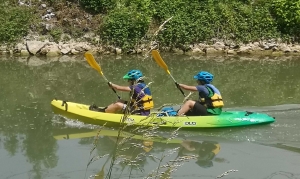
199,109
186,107
114,107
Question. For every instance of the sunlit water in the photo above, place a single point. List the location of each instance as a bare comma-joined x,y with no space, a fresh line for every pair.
35,143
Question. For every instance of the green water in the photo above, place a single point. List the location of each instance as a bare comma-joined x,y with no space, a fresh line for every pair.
27,124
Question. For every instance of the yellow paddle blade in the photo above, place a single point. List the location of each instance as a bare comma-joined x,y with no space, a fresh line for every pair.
159,60
91,60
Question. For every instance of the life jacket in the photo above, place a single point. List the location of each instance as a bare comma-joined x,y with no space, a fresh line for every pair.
141,100
214,99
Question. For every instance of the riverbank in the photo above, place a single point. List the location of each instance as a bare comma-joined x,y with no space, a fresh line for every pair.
47,48
70,28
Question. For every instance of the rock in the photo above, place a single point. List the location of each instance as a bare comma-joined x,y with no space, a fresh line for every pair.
295,48
53,51
256,44
86,47
35,46
74,51
79,47
24,53
210,50
231,52
44,50
284,48
178,50
197,50
139,51
131,51
65,51
118,51
3,48
49,27
219,45
244,49
89,36
19,47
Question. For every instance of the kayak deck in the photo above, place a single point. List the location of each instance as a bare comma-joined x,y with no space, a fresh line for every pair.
82,113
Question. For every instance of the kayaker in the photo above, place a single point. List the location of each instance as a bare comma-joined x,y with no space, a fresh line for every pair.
140,94
210,101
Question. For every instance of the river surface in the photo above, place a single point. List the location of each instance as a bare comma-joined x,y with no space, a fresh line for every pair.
36,144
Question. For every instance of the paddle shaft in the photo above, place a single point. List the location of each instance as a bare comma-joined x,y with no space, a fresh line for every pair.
110,85
92,62
163,65
177,85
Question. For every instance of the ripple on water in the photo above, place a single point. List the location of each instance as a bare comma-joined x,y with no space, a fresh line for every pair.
59,120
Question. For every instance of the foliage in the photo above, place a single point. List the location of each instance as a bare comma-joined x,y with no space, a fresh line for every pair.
96,6
287,15
127,22
124,27
14,22
235,20
56,34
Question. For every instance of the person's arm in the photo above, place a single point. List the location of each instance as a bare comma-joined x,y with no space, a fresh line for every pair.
187,87
120,88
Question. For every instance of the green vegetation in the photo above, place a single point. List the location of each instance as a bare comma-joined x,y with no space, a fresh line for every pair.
96,6
287,16
14,22
124,23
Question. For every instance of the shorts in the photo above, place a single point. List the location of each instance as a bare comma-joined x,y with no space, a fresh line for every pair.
139,112
197,110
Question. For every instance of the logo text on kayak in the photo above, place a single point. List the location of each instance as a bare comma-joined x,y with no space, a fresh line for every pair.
190,123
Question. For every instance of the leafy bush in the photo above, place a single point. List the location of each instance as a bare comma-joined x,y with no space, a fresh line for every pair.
124,27
14,22
98,6
287,15
56,34
236,20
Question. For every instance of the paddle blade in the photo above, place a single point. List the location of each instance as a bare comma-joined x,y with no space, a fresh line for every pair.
91,60
159,60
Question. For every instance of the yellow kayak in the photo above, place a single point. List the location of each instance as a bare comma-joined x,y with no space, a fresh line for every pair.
82,113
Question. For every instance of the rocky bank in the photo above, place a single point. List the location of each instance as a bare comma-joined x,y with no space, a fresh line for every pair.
35,47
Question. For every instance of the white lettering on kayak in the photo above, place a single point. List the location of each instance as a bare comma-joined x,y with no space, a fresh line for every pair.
190,123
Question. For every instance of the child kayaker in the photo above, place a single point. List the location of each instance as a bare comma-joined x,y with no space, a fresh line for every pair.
210,101
141,98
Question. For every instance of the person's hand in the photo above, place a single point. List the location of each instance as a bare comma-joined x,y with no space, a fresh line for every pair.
177,85
110,84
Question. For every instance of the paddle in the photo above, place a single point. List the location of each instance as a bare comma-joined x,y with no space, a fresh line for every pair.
100,175
91,60
162,64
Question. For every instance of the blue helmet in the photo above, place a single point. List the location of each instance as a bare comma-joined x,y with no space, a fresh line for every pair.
204,76
133,75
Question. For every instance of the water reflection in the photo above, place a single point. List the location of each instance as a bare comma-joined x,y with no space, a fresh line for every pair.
134,152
